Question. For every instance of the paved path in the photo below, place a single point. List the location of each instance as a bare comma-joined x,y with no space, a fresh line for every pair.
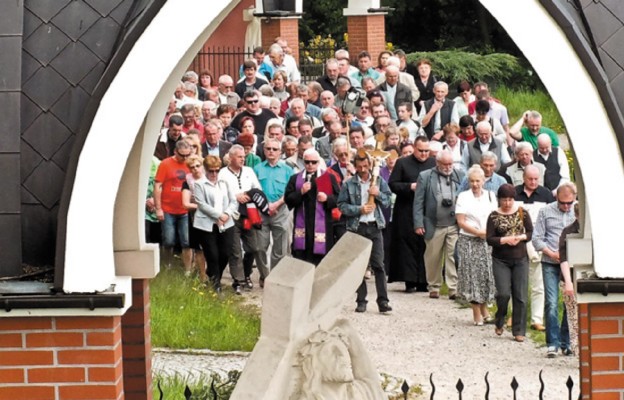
424,336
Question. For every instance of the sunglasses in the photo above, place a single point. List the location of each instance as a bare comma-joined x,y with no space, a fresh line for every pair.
252,101
565,203
342,154
272,148
184,155
213,171
310,161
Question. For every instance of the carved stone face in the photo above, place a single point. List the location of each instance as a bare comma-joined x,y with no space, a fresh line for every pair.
335,362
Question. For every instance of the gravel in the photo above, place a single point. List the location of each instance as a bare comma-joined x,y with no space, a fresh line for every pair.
420,337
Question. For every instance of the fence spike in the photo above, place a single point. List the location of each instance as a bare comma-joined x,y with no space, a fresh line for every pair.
514,386
213,390
460,387
570,385
187,393
160,390
487,386
541,392
405,389
432,386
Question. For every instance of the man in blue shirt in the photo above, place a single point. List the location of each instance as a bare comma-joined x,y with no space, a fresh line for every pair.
273,175
550,223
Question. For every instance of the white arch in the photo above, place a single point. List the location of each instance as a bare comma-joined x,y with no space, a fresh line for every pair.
559,67
159,57
134,102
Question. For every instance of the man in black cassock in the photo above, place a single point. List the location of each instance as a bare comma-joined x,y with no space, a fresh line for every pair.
312,195
407,249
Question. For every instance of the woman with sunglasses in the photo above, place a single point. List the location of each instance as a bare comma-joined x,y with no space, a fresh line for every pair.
214,219
194,163
312,195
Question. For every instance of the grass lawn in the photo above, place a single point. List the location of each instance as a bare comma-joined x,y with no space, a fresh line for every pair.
518,101
187,315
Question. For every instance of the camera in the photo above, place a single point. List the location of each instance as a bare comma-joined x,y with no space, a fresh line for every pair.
353,101
447,203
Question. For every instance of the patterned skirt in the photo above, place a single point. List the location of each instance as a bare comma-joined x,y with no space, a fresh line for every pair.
475,281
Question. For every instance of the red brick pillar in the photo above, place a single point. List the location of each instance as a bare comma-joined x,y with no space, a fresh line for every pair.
601,343
287,28
137,344
366,32
61,358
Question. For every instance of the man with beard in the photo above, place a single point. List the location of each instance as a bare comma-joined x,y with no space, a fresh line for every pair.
434,219
407,249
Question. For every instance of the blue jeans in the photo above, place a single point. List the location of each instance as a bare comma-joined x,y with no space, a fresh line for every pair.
556,336
171,224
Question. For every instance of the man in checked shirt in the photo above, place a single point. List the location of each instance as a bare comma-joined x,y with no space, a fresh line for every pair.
551,220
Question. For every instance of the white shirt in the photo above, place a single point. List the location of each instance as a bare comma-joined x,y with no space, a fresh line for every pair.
364,186
436,121
476,209
244,181
288,65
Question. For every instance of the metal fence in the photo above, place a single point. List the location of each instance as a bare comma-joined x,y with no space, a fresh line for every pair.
312,61
221,61
227,60
212,392
514,385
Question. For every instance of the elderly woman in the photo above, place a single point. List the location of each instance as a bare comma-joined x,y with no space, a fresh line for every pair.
194,163
214,219
508,229
475,279
312,195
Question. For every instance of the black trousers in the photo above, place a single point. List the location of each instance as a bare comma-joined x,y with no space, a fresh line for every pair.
376,262
217,248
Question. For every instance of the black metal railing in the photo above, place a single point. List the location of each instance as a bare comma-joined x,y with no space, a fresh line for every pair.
221,61
405,388
213,392
227,60
312,61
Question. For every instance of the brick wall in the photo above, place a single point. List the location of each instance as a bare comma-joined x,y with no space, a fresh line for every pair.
137,345
366,32
287,28
61,358
601,341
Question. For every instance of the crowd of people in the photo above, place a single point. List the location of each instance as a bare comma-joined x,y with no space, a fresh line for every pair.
252,168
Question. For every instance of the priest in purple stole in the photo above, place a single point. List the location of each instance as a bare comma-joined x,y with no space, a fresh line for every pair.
312,194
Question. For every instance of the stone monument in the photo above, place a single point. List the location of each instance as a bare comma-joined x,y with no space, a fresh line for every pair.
304,352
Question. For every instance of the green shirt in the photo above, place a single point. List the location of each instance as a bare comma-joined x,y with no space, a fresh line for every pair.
527,136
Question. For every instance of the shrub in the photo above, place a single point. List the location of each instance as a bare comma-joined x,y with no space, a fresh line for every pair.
453,66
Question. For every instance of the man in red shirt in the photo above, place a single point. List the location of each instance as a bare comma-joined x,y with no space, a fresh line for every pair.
170,176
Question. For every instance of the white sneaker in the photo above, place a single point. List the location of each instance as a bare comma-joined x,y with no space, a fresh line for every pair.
551,352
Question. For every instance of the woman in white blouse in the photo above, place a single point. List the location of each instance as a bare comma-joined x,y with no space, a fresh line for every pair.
475,278
214,219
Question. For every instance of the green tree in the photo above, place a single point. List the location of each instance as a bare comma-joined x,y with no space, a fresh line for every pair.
429,25
417,25
322,17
